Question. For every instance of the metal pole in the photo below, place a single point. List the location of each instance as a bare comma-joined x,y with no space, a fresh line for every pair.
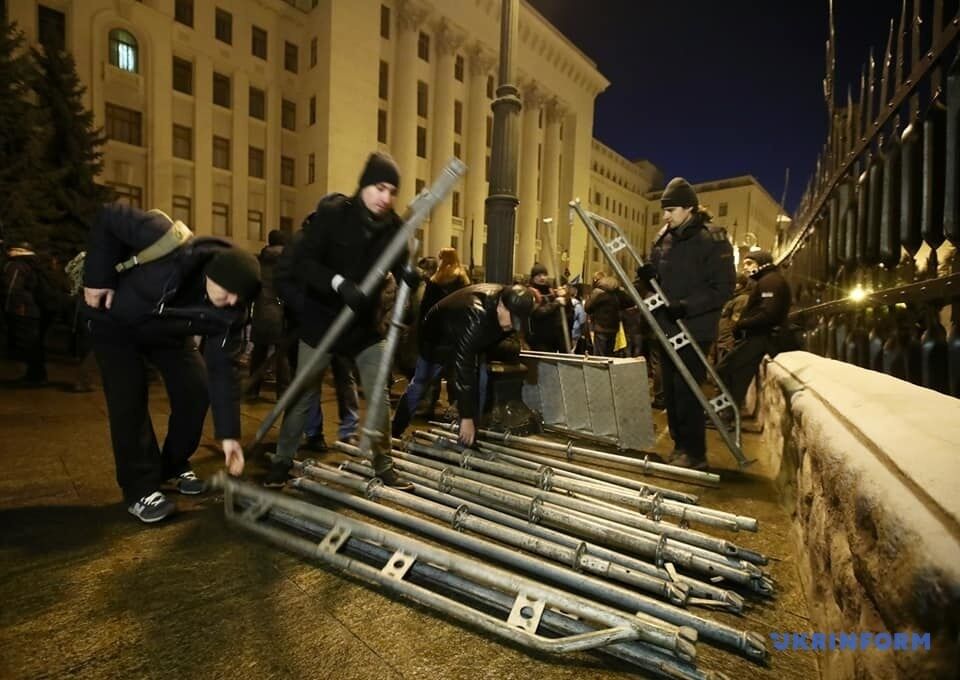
416,214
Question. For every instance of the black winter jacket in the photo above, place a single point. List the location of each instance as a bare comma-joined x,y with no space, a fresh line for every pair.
268,321
769,303
694,264
460,328
167,298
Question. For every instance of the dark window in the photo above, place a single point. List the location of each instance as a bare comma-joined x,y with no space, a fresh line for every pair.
423,46
258,42
221,219
489,132
286,223
539,156
221,153
224,26
288,115
182,209
290,57
182,75
419,186
456,204
421,141
313,52
423,98
382,126
596,197
489,87
124,125
123,50
127,194
455,242
287,171
457,117
311,168
183,13
255,163
723,210
313,110
384,22
458,68
384,80
255,231
258,104
183,142
456,150
486,169
540,119
51,28
221,90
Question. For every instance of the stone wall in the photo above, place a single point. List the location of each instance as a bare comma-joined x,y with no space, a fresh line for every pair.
869,467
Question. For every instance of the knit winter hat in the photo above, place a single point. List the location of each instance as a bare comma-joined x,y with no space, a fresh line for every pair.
235,270
520,301
380,167
679,194
537,270
761,257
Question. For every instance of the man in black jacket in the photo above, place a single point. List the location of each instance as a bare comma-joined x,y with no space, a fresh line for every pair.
339,244
150,312
761,328
461,329
694,265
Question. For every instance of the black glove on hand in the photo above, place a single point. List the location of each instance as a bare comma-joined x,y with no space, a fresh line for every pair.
677,310
411,277
352,296
646,272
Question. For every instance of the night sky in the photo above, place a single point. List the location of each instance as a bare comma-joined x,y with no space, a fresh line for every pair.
708,89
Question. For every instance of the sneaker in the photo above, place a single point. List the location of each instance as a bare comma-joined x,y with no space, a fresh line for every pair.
688,461
315,443
152,508
278,474
189,484
394,481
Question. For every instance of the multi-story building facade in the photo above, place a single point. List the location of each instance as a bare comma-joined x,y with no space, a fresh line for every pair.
237,116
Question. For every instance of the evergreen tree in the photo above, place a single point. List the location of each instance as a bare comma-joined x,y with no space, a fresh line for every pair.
72,152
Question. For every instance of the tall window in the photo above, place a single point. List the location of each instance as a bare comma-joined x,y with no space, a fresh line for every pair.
382,126
258,42
51,28
182,75
255,166
313,52
489,132
182,209
221,153
288,115
423,98
124,125
311,168
457,117
456,204
223,26
255,230
723,210
384,22
290,57
183,14
313,110
288,174
384,80
419,186
123,50
458,68
127,194
221,90
489,87
221,219
456,150
423,46
286,224
258,104
421,141
183,142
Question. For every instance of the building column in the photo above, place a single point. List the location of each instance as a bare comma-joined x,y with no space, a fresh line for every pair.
203,145
528,210
271,155
448,41
481,61
403,134
550,183
159,193
240,157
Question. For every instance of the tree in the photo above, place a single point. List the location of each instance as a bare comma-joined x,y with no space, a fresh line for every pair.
72,152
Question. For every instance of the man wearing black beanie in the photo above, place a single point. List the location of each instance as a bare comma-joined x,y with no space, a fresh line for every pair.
148,293
693,262
320,274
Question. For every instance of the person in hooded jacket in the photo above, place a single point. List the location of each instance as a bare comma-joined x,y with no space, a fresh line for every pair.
549,315
693,262
341,240
268,323
150,313
604,308
761,328
729,317
28,306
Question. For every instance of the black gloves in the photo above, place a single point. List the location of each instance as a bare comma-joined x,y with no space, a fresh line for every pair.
411,277
352,296
646,272
677,310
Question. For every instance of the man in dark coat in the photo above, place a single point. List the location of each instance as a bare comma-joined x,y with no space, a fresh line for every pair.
461,329
694,265
268,322
762,326
340,242
150,312
549,315
28,304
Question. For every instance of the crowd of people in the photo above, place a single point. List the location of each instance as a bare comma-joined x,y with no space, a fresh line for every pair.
147,293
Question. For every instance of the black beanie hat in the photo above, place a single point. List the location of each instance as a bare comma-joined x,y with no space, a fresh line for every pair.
679,194
761,257
520,300
538,269
380,167
237,271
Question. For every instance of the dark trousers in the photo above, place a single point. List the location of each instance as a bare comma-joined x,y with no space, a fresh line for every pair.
281,366
603,343
685,415
738,367
122,355
27,343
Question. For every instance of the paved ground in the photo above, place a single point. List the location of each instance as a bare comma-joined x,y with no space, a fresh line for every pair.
88,592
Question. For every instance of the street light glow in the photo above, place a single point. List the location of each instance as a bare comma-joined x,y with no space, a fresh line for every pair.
858,294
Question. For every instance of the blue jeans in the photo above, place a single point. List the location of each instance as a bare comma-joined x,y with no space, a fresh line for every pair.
425,373
348,405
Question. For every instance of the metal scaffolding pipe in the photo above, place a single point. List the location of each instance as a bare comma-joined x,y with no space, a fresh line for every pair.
644,466
703,594
648,657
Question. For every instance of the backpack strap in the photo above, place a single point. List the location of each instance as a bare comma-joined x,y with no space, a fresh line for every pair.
175,236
